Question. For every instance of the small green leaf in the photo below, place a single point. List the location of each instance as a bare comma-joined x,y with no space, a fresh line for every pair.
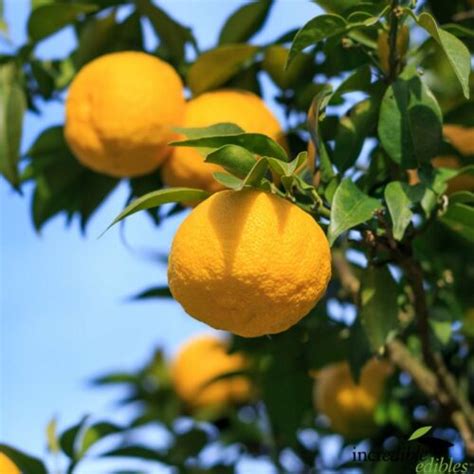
442,330
317,29
215,67
400,197
95,433
218,129
410,122
455,50
256,174
419,432
234,159
12,109
245,22
255,142
26,463
379,308
52,437
350,207
158,198
158,292
228,180
70,438
48,19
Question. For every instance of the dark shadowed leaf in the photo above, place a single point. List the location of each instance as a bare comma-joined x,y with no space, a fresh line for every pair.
215,67
460,218
379,308
70,438
47,19
95,433
150,293
359,80
410,121
350,207
245,22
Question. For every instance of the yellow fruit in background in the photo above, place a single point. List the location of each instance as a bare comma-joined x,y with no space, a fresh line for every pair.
7,466
120,112
461,182
249,262
462,138
349,406
403,39
274,62
201,360
186,166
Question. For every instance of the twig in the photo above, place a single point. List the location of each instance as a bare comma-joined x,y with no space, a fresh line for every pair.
393,58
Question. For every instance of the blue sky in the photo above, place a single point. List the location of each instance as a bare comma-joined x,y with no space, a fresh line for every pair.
64,317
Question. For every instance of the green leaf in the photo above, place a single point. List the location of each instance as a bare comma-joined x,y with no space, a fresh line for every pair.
95,433
48,19
350,207
255,142
379,308
12,109
359,80
442,330
410,122
317,29
228,180
459,217
137,452
359,350
245,22
353,130
400,197
70,438
173,36
215,67
158,198
456,51
24,462
157,292
218,129
52,437
418,433
187,445
234,159
256,174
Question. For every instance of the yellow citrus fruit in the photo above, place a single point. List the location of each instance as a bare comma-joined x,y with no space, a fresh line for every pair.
349,406
120,112
403,38
274,62
462,138
7,466
186,166
201,360
249,262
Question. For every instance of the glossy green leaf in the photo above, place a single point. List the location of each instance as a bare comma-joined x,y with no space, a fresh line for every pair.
228,180
253,142
158,198
215,130
234,159
245,22
350,207
379,308
26,463
12,109
256,174
317,29
455,50
215,67
400,197
48,19
418,433
410,121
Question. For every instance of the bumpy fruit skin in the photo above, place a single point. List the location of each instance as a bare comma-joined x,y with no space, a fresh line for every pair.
7,466
120,112
249,262
186,166
201,360
350,407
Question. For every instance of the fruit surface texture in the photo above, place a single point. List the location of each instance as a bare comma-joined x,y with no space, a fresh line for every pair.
186,166
7,466
349,406
120,113
201,360
249,262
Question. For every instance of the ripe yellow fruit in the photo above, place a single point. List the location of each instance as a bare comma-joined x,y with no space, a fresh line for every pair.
249,262
7,466
462,138
186,166
349,406
201,360
120,112
461,182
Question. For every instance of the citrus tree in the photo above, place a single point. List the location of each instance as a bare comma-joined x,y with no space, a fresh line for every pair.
361,202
